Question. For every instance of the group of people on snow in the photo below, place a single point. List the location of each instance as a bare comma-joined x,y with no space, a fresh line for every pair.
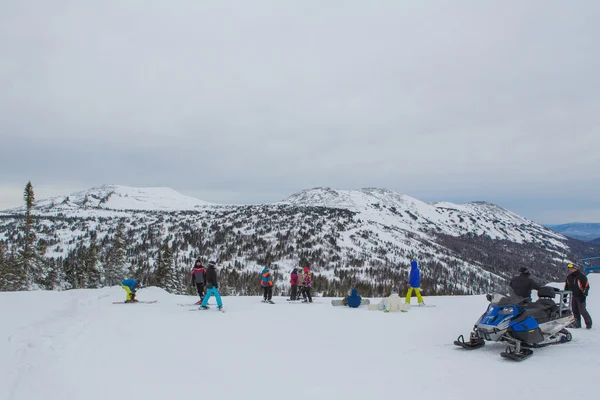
522,285
576,282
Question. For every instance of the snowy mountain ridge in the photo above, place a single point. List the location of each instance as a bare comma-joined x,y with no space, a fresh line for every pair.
347,235
116,197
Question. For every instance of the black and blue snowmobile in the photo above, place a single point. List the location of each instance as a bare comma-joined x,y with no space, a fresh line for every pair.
522,324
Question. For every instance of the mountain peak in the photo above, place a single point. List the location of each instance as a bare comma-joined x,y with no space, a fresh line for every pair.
117,197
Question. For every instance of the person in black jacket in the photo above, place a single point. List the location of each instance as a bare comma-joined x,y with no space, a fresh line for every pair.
212,286
578,284
522,284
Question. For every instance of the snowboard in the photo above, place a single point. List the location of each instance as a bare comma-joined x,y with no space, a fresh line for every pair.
424,306
137,302
267,302
338,303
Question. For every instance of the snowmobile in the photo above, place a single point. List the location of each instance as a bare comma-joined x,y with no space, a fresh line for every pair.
522,324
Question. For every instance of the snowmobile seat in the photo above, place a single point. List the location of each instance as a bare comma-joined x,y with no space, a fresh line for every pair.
546,292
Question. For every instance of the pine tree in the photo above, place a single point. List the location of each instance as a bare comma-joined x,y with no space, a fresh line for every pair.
22,273
115,265
165,275
94,277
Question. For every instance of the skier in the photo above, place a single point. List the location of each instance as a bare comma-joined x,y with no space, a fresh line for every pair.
414,283
578,284
306,284
294,284
300,283
522,284
266,281
353,301
212,286
199,278
131,286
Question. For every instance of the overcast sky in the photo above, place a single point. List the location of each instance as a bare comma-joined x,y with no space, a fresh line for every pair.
251,101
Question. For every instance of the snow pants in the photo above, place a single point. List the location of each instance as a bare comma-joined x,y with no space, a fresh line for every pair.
294,294
579,310
209,293
409,295
306,293
267,292
130,294
200,288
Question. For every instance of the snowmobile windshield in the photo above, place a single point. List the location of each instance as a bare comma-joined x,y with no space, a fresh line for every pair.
499,299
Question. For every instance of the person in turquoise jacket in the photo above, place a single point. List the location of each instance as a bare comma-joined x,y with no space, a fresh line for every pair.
130,286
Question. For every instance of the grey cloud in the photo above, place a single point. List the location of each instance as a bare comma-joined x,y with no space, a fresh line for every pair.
251,101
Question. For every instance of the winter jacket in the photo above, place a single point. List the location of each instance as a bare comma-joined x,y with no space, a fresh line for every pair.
307,282
415,275
266,279
522,285
130,283
354,299
294,277
393,303
577,283
211,277
199,275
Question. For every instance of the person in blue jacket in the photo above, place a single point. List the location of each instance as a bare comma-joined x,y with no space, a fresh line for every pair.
131,286
354,299
414,283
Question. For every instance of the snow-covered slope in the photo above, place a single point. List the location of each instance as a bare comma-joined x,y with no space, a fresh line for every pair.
114,197
344,234
388,207
77,345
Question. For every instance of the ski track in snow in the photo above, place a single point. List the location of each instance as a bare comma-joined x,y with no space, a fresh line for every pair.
78,345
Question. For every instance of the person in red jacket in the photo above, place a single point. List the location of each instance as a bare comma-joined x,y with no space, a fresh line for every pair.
294,283
306,285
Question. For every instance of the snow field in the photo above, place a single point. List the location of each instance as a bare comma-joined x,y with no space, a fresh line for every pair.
78,345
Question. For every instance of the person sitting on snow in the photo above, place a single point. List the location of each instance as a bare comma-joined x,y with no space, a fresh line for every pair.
131,286
353,301
393,303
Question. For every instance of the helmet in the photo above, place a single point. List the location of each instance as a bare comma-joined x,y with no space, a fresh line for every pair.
212,263
571,265
525,271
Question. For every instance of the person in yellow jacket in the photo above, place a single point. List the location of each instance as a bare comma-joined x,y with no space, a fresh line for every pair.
414,283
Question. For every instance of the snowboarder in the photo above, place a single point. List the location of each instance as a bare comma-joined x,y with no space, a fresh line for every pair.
306,285
294,284
266,281
212,286
130,286
414,283
578,284
353,301
522,284
199,278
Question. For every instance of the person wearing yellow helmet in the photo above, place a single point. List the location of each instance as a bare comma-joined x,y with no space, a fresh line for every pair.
578,284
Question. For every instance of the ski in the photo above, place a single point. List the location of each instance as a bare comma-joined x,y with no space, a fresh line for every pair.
202,309
137,302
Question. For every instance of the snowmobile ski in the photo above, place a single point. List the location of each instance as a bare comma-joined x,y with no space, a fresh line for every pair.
475,342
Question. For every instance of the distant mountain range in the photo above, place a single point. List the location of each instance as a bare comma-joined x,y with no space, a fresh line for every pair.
363,238
586,231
